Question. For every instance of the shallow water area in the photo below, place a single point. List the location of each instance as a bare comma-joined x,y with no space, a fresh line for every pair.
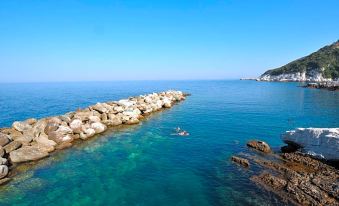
146,165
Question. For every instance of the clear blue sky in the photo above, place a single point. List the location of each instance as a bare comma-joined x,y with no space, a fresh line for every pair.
65,40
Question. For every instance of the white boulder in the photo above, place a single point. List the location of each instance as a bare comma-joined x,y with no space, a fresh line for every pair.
319,142
98,127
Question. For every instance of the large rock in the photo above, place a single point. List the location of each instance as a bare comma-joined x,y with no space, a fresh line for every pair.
83,115
87,133
59,137
259,145
31,121
27,153
39,127
4,139
51,127
21,126
26,137
132,121
100,107
98,127
43,139
64,130
3,171
76,126
319,142
54,120
13,133
12,146
126,103
43,147
65,118
94,119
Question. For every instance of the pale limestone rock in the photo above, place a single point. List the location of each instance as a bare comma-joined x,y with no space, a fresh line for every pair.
319,142
12,146
4,139
98,127
21,126
93,119
3,171
27,153
76,126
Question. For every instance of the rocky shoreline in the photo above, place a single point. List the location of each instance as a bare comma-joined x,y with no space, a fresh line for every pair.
332,86
298,178
33,139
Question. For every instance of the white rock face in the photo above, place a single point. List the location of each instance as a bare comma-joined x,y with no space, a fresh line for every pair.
295,77
319,142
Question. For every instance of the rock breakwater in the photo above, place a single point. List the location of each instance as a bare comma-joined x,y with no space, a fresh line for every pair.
33,139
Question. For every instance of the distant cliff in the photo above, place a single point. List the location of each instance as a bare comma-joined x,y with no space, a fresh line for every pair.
322,65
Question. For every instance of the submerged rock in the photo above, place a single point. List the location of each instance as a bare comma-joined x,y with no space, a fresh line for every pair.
318,142
259,145
242,161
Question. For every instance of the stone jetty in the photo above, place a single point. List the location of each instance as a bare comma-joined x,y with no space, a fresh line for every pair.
33,139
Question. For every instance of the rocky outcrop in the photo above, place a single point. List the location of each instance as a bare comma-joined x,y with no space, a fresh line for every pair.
320,66
331,86
318,142
299,179
295,77
242,161
33,139
296,178
259,145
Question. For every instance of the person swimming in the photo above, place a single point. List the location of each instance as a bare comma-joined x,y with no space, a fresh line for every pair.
181,132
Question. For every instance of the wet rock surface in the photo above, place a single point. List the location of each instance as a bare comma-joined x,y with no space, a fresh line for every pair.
242,161
259,145
32,139
297,178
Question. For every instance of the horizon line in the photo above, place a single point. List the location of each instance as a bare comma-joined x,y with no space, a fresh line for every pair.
126,80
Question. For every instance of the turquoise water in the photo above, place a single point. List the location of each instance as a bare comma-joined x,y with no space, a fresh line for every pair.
145,164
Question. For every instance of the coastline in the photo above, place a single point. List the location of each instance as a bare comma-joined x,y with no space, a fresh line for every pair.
31,140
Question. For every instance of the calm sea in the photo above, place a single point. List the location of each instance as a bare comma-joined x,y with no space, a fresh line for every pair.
145,164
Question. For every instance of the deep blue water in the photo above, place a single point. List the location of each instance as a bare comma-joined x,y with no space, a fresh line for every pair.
144,164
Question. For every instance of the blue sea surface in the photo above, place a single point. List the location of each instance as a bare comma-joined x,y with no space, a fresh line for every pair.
145,164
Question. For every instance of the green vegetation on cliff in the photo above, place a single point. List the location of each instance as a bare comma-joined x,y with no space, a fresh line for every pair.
325,61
